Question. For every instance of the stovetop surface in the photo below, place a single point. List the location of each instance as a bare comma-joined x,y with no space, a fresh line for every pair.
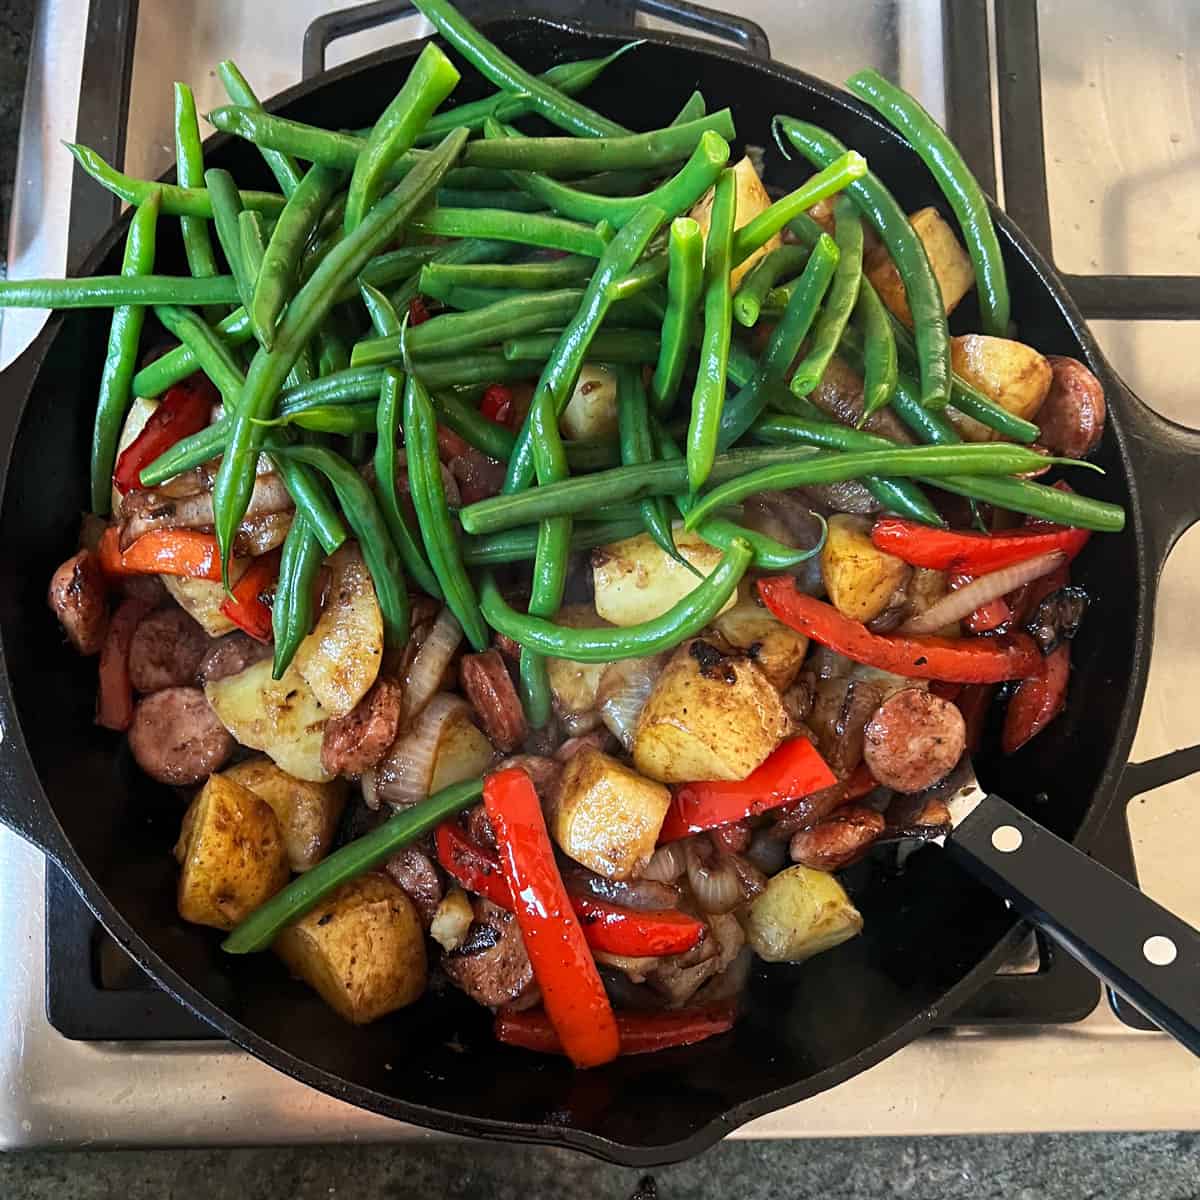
93,1052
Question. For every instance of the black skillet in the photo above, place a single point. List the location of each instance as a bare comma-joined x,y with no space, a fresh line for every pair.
933,935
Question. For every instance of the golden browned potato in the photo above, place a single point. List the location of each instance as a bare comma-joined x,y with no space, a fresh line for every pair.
340,658
362,949
232,852
775,649
707,717
575,684
1012,374
463,752
636,580
752,199
950,262
802,912
606,816
307,811
591,411
201,599
281,717
859,577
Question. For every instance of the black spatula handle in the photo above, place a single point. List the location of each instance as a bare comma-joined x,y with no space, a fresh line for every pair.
1147,954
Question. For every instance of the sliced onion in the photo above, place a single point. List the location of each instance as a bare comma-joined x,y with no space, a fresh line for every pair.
370,788
666,864
645,894
956,605
404,774
622,694
424,677
713,881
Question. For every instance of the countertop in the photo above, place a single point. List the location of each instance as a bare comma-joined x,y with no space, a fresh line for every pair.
1021,1167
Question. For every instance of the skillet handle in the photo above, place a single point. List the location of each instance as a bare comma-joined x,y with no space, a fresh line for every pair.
1147,954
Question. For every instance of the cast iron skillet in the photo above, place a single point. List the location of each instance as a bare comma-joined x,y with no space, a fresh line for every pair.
932,935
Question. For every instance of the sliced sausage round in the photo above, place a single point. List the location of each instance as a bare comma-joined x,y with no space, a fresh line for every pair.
413,870
230,655
913,740
838,841
176,737
487,684
1071,417
167,650
78,596
491,965
354,743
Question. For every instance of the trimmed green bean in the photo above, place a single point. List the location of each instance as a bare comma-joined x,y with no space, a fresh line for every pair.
513,202
472,426
685,618
609,346
110,291
752,292
343,419
154,378
880,367
441,373
312,501
890,221
464,251
637,448
526,276
287,173
520,545
212,355
306,891
292,613
685,282
120,358
189,171
528,229
253,243
226,207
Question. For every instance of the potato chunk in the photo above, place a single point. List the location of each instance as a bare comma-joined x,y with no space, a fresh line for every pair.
708,717
307,811
591,411
575,684
201,599
636,580
340,658
463,752
950,262
280,717
859,577
752,199
775,649
606,816
232,852
802,912
1012,374
362,949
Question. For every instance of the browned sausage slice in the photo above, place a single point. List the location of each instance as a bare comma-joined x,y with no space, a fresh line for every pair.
491,966
231,655
353,743
167,650
78,596
837,842
913,740
489,687
412,869
176,737
1072,415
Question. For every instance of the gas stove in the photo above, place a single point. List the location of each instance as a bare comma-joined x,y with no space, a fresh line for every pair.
1070,112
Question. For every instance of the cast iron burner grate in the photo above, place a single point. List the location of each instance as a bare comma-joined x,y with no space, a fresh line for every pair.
93,991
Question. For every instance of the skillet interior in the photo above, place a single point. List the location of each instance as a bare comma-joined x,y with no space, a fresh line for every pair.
931,935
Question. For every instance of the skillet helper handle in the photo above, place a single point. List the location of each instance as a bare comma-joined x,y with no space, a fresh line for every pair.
1147,954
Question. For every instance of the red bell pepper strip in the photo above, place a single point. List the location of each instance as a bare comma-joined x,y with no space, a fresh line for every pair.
639,1032
496,404
973,702
114,703
606,927
987,618
246,608
971,553
961,660
418,311
185,409
792,770
1037,701
572,992
185,552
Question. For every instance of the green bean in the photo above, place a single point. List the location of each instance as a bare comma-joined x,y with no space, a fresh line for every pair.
879,358
430,80
925,462
154,378
189,171
958,184
531,276
433,517
253,244
372,533
283,167
708,396
281,261
520,545
441,373
213,356
578,156
120,358
304,316
562,369
879,206
226,207
333,354
673,196
472,426
176,201
685,282
608,346
344,387
513,202
343,419
312,501
292,610
465,251
306,891
569,78
839,303
685,618
110,291
529,229
495,65
762,277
